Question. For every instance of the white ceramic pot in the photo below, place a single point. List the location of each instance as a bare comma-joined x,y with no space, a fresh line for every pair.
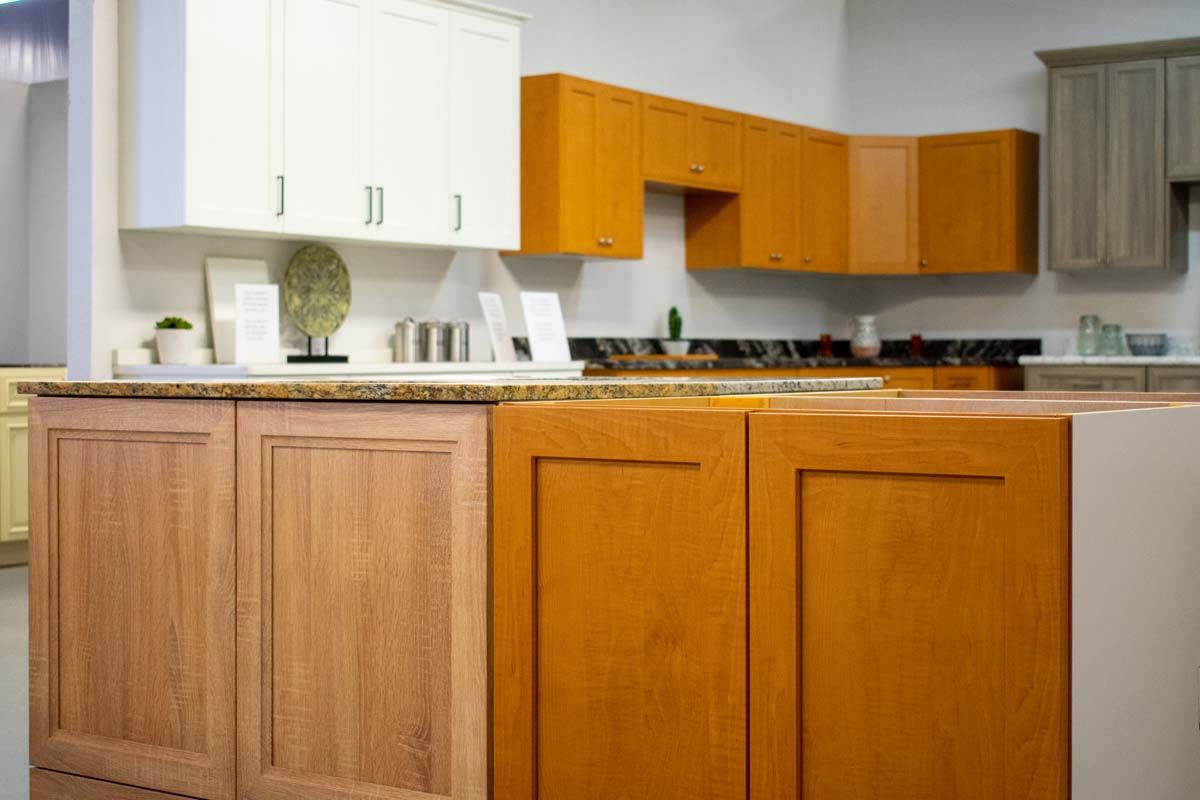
865,342
675,347
175,345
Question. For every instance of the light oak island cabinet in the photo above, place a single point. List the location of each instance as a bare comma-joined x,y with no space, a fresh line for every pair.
948,594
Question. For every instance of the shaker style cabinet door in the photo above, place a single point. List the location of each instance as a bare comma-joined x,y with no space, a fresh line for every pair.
620,195
787,174
666,141
716,148
485,132
824,201
619,617
325,68
362,601
1136,188
1078,164
131,592
410,123
884,205
1183,118
909,602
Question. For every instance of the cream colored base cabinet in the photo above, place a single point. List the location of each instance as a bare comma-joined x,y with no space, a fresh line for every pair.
14,461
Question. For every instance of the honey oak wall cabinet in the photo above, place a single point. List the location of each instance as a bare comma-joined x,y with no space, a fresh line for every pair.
978,202
581,168
393,121
685,144
884,192
824,202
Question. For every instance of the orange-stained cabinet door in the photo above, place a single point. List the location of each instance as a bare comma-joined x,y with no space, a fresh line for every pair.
619,611
883,205
909,607
824,201
620,194
131,596
787,160
716,139
362,601
666,133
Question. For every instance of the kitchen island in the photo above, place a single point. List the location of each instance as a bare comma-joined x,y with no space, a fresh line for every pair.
641,588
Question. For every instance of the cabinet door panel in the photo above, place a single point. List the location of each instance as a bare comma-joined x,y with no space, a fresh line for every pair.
666,137
825,201
619,627
1085,379
1183,118
581,109
1078,160
362,633
14,471
1172,379
326,100
410,122
620,193
908,577
716,145
966,202
883,205
787,160
757,216
1136,192
131,592
485,132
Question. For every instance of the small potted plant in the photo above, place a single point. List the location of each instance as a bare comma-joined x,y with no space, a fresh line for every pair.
675,345
175,339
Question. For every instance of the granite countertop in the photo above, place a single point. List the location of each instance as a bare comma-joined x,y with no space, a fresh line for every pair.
1110,361
482,391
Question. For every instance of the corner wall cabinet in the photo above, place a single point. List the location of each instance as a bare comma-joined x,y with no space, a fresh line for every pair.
1123,126
947,594
767,194
391,121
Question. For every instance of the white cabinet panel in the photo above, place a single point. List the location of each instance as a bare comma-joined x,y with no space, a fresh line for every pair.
485,149
325,74
14,477
410,122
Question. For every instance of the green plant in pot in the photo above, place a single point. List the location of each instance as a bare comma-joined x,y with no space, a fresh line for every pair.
675,345
175,339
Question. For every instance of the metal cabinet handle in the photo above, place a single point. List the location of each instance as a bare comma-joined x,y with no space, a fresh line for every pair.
379,205
458,212
279,200
370,206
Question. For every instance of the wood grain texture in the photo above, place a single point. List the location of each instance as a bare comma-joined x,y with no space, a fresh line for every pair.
1085,379
666,140
926,655
1078,162
132,593
978,378
1135,186
541,183
978,203
362,632
716,143
1183,118
621,191
825,202
619,603
46,785
884,194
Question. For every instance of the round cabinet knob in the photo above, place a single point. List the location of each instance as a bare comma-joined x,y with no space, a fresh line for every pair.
924,262
609,242
700,167
601,241
694,168
808,259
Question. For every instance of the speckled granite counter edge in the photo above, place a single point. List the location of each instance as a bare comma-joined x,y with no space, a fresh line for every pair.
463,392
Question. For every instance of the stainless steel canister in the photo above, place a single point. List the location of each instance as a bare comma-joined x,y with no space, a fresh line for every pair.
433,341
407,348
458,341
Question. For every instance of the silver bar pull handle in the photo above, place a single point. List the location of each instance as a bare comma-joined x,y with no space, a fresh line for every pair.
370,207
379,205
458,212
279,199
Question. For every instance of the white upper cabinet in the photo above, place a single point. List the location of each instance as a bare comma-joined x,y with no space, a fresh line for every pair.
485,132
388,121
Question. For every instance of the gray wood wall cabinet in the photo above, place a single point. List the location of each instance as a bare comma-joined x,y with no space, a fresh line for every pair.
1183,118
1124,123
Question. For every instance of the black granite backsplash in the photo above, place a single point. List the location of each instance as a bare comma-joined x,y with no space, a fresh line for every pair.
766,353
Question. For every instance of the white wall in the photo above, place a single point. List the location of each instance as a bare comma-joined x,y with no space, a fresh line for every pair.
925,66
47,222
14,226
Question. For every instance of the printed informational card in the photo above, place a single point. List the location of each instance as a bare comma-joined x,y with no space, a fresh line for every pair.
544,324
497,325
256,323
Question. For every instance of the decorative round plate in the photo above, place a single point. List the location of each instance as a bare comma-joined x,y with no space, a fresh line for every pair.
316,290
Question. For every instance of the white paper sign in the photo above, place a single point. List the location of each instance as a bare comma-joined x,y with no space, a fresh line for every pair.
544,323
256,323
497,325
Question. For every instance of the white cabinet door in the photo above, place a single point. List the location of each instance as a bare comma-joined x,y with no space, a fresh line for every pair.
326,117
410,122
229,138
485,120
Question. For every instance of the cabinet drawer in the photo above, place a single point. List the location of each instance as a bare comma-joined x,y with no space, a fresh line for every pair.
1085,379
46,785
1173,379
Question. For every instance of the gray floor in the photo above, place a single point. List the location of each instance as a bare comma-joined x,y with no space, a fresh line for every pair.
14,683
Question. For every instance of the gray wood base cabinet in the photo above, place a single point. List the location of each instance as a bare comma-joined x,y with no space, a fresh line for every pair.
1088,378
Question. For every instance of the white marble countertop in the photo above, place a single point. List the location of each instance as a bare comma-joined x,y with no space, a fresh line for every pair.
1110,361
